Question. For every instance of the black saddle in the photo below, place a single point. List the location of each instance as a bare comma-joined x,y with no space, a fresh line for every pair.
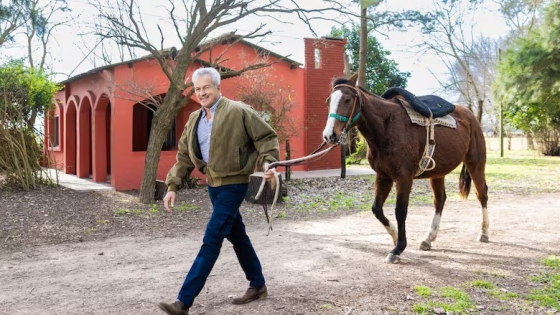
424,104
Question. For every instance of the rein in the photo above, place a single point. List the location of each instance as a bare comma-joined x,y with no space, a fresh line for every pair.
315,155
275,182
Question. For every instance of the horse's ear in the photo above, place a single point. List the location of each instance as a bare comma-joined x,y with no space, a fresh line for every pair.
353,79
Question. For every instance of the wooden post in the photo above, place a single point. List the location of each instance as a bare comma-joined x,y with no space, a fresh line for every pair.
343,160
501,115
287,173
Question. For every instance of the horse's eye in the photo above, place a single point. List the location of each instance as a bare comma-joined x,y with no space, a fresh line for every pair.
346,101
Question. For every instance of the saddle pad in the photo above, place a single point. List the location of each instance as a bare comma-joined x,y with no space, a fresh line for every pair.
417,118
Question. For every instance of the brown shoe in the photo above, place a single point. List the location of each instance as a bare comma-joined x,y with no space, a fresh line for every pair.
252,294
175,308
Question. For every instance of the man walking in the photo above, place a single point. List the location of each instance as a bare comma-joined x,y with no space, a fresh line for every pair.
225,140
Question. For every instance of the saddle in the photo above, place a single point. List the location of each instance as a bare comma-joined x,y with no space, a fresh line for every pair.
428,111
426,104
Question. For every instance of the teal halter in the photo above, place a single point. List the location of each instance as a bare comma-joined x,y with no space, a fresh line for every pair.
344,119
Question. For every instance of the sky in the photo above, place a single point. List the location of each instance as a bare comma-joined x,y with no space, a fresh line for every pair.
69,54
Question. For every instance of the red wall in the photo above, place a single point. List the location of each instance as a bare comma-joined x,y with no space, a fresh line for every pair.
96,113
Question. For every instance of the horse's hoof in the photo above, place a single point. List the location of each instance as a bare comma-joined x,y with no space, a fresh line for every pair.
424,246
483,238
393,259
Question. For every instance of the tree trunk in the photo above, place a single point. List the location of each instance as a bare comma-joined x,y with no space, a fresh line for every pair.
363,48
530,141
31,121
480,110
160,127
347,72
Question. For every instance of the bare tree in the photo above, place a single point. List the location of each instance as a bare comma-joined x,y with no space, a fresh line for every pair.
271,96
471,77
380,21
193,22
39,27
521,16
448,39
13,16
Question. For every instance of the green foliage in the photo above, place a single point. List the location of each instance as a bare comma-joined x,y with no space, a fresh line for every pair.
482,284
450,300
23,90
528,82
381,71
121,212
183,206
552,262
23,93
398,20
360,151
423,291
549,294
494,291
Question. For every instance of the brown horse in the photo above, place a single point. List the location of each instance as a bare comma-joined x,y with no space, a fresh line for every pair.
396,147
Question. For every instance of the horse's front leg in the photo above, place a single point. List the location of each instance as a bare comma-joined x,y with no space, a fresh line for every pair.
383,187
403,192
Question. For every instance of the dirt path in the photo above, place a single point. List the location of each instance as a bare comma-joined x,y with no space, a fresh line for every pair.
331,266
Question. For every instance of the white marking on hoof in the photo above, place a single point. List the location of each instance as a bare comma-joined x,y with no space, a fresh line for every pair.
392,259
393,232
424,246
434,228
485,222
483,238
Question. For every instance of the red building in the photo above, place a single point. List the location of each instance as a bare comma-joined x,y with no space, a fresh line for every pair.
97,132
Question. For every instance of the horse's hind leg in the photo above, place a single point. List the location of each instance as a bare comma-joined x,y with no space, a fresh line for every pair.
438,189
383,187
479,179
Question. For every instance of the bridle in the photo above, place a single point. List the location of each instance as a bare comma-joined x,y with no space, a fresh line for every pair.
351,120
315,155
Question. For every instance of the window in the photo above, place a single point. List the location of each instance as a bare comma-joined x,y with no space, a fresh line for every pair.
142,117
55,133
317,58
170,141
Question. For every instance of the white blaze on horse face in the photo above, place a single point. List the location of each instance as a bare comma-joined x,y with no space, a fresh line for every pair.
333,107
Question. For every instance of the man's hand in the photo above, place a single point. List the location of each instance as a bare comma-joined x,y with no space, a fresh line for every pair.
268,174
169,198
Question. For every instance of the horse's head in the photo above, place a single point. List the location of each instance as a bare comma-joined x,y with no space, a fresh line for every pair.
343,109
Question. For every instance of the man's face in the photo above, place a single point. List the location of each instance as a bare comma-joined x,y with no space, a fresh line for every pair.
206,93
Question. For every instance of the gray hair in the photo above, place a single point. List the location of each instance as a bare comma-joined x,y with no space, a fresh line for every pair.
213,73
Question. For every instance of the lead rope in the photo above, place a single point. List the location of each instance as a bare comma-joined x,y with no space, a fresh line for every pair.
275,181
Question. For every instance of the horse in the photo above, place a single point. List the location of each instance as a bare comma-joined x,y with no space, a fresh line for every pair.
396,148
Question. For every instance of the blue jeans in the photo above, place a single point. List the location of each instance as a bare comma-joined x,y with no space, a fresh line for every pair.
225,222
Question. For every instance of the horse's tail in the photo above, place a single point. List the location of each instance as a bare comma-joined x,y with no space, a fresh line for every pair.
464,182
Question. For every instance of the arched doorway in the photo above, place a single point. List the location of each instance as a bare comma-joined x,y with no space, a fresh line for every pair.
102,140
84,134
70,138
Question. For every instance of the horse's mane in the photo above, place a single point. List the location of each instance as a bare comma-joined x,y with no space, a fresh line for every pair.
342,80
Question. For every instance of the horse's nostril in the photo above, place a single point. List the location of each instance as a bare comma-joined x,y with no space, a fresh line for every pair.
332,138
